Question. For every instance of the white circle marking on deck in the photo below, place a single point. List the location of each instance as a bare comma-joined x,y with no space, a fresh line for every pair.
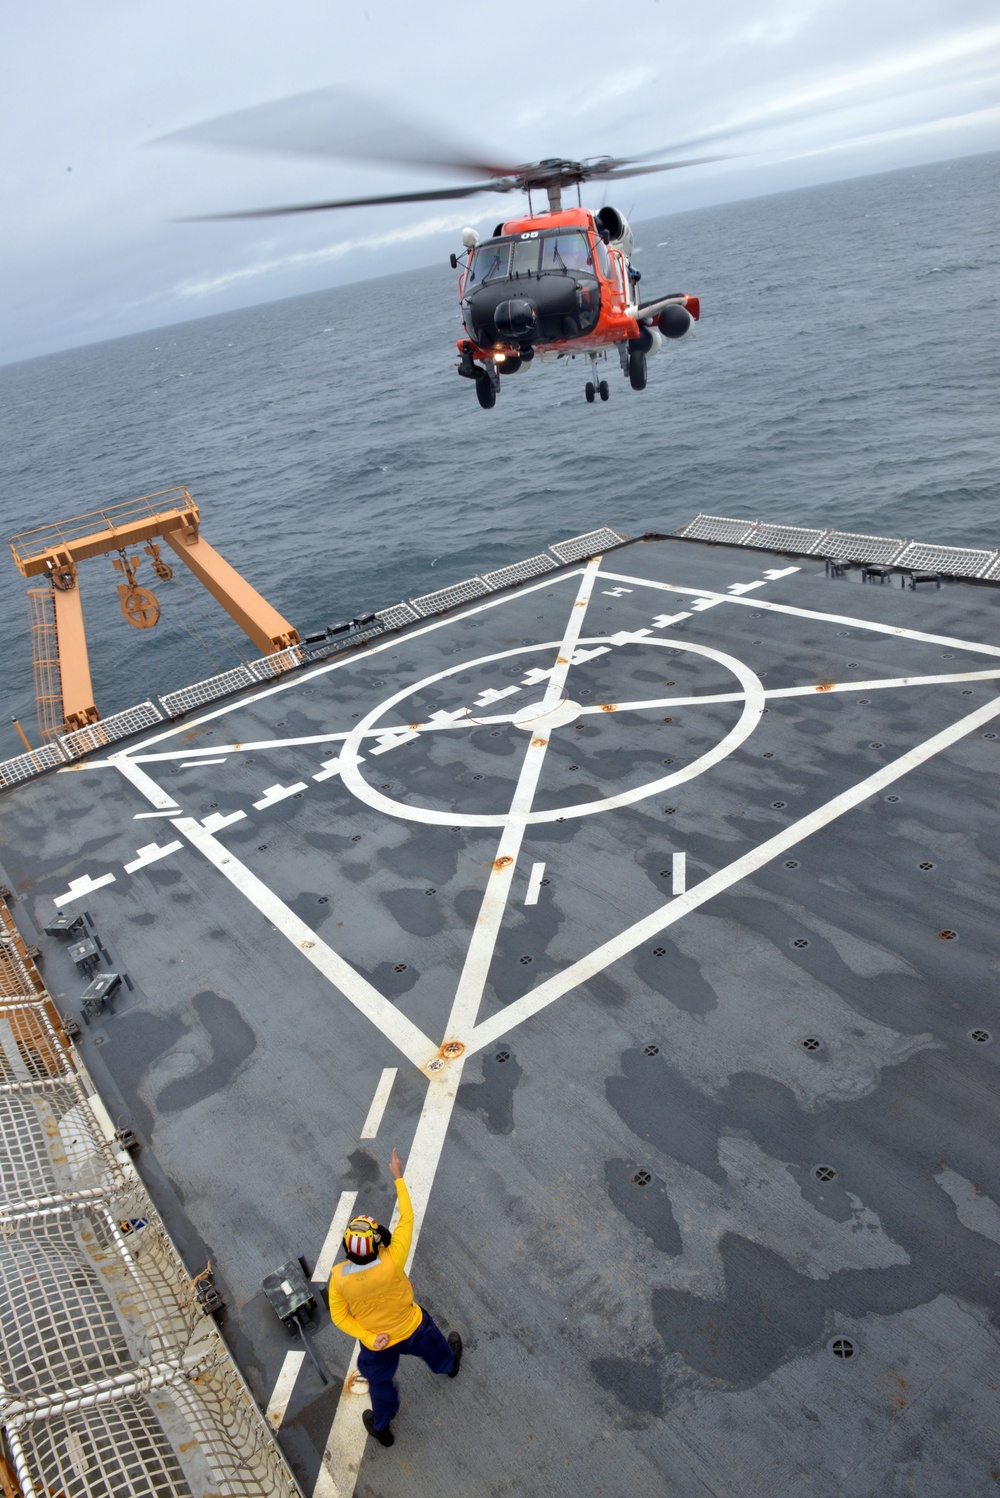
352,778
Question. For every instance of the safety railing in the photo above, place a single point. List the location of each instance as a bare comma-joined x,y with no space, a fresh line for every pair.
886,551
113,1377
590,544
109,730
46,539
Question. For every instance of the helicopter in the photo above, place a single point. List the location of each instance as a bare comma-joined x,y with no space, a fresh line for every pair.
545,285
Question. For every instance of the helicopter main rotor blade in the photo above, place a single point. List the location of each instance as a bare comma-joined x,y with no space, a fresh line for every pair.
338,122
618,171
433,195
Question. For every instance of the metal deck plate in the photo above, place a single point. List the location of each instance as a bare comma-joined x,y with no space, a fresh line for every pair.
649,909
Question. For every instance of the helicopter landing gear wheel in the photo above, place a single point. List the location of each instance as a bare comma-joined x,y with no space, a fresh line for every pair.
637,369
589,392
604,390
485,393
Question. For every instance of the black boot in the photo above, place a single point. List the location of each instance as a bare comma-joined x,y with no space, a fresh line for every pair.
455,1343
383,1437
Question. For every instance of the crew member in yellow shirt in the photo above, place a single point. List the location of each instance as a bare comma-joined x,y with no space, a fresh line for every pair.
372,1299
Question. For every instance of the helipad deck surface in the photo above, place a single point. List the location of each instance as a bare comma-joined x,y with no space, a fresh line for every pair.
650,910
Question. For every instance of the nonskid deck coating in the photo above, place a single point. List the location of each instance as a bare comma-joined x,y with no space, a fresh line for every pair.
627,915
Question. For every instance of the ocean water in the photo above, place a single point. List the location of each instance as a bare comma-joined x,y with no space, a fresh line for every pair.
846,372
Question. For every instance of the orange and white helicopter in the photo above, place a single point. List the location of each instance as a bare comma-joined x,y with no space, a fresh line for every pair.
547,285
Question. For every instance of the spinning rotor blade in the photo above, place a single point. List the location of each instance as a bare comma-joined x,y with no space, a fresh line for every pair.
617,170
336,121
432,195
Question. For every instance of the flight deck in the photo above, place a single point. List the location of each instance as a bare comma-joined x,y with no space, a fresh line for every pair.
648,907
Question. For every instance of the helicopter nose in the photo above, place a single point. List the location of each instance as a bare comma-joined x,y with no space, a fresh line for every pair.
517,319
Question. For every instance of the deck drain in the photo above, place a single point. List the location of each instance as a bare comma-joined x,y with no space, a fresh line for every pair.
261,847
355,715
666,720
810,1043
248,761
947,935
503,1056
844,632
356,837
801,941
863,701
560,819
495,734
641,1178
756,616
281,723
989,735
385,787
758,642
477,777
659,951
947,655
651,1050
323,900
824,1172
668,811
792,863
546,881
212,805
578,727
876,744
767,754
852,665
574,767
779,805
526,959
430,891
841,1347
297,796
892,798
400,967
981,1037
668,761
925,865
665,873
966,691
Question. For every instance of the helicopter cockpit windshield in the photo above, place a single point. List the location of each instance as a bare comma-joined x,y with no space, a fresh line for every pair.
548,277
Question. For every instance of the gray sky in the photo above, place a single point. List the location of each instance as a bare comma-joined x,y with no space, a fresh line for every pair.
811,90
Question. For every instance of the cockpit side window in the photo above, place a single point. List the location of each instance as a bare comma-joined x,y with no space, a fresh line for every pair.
603,258
567,252
489,262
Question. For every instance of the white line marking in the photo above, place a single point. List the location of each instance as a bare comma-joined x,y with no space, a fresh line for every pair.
678,870
534,884
276,793
738,588
493,694
475,969
773,573
663,620
146,787
813,690
784,608
282,1391
334,1237
391,738
370,1127
150,854
141,816
195,764
619,946
82,886
334,766
216,820
393,1024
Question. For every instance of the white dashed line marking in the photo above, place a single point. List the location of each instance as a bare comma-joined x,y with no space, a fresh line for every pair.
534,884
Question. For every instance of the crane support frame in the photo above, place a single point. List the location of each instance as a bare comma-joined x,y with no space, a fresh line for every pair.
55,551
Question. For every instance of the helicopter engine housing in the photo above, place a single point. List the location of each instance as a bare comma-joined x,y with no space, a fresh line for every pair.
617,228
675,321
650,340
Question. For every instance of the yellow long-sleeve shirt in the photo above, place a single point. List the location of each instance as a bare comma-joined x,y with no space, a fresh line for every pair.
367,1300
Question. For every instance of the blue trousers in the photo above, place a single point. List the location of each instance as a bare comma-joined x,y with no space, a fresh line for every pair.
379,1368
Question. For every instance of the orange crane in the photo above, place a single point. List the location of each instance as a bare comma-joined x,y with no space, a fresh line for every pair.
63,688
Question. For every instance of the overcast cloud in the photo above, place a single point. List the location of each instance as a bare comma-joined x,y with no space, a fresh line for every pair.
806,90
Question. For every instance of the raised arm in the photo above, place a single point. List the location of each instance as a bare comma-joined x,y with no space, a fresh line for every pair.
402,1233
